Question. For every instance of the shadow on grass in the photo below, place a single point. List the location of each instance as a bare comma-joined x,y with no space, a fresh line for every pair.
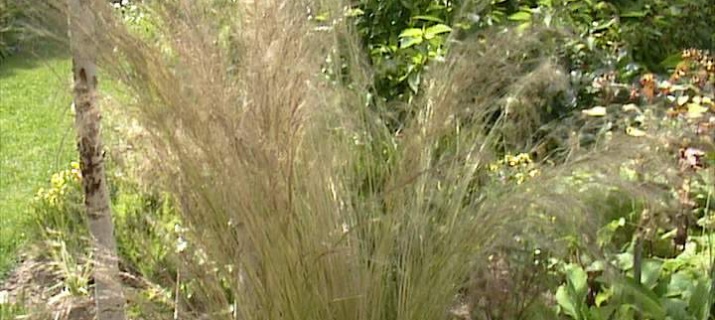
30,55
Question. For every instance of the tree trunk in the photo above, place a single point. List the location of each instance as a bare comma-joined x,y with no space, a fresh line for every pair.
108,289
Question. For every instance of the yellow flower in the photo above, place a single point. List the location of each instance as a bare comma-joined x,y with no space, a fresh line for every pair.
57,180
524,158
520,178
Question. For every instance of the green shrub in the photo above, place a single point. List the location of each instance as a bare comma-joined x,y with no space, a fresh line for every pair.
146,232
626,37
402,37
11,13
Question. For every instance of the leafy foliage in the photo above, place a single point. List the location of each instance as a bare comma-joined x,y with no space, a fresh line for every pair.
11,12
657,265
625,37
402,37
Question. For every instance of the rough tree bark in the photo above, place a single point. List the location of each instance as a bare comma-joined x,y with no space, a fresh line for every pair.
108,290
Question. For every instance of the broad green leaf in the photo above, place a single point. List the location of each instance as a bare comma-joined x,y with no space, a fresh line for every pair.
601,313
594,314
604,26
650,272
408,42
432,31
600,265
676,308
414,81
707,221
356,12
603,296
436,6
645,298
605,234
625,311
699,304
436,42
463,25
590,42
379,49
428,18
671,61
601,5
577,278
634,14
520,16
565,301
523,26
322,17
418,59
624,261
404,76
411,33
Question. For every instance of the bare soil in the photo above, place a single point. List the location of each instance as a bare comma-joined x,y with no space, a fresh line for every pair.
35,286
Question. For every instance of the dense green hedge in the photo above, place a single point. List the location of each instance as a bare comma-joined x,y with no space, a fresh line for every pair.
10,30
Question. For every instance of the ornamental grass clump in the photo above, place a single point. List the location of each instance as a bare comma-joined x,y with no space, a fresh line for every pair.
298,200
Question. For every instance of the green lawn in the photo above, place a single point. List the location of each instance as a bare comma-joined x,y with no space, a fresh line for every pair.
36,138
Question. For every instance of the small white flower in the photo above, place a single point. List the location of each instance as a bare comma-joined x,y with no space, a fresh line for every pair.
181,245
4,297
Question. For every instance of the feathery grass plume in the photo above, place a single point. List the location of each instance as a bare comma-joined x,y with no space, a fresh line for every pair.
257,173
298,202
